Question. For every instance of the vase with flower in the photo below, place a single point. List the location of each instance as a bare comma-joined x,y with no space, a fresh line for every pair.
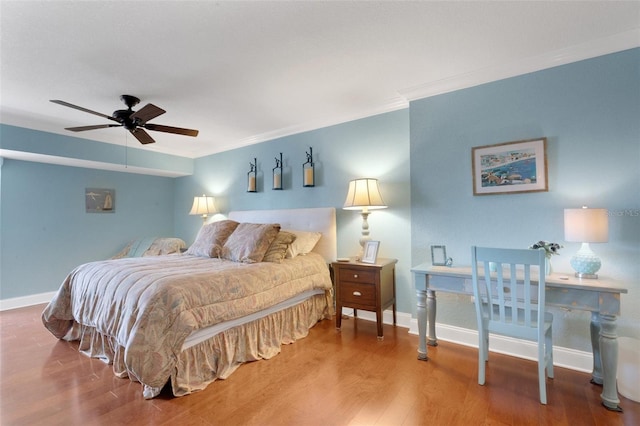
550,249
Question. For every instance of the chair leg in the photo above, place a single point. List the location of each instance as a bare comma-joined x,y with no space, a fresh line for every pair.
482,355
486,345
542,377
549,353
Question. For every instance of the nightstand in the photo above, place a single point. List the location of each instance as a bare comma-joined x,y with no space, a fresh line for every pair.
371,287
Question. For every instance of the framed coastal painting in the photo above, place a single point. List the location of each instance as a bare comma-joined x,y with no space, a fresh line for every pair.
510,167
100,200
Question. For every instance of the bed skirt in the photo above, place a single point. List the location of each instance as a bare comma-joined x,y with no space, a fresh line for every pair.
219,356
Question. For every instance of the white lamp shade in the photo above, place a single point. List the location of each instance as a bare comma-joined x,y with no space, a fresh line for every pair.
203,205
364,193
586,225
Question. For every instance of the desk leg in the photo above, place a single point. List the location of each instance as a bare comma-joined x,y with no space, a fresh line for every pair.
422,324
596,374
432,340
609,353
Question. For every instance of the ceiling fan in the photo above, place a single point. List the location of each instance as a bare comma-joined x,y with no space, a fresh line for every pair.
134,121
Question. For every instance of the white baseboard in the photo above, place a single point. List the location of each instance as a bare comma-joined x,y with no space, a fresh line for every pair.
562,357
21,302
402,319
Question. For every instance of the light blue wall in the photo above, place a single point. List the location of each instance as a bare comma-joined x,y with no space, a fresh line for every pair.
46,231
376,146
590,113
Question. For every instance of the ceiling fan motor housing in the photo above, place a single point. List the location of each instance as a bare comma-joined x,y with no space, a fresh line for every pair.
123,116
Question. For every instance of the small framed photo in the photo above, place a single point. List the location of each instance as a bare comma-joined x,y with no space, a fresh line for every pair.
370,251
439,255
510,167
100,200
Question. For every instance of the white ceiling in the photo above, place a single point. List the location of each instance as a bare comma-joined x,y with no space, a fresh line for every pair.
245,72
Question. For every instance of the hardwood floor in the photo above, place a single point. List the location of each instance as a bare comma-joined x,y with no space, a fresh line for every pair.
328,378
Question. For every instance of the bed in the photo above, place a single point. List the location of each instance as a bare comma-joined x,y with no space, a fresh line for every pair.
189,319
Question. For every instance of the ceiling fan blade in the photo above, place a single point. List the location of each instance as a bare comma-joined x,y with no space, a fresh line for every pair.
146,113
142,136
169,129
97,126
67,104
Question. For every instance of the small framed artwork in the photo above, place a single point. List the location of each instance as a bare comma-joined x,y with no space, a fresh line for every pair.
100,200
370,251
510,167
439,255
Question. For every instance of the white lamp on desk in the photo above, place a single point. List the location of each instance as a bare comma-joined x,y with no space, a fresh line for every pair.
586,226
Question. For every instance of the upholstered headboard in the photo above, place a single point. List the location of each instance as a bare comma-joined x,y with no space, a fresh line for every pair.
322,219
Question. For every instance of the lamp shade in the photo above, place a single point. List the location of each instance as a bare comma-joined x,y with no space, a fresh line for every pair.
586,225
203,205
364,194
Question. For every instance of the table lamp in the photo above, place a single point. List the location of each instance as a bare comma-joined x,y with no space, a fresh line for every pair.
586,226
364,194
203,205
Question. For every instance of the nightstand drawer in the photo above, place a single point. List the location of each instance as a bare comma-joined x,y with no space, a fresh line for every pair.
360,294
357,275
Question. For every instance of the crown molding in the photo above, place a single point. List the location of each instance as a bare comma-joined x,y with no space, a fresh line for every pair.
599,47
87,164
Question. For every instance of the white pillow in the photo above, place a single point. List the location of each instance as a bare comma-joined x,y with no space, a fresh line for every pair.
305,242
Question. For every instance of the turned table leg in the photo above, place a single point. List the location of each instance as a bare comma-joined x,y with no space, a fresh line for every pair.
432,340
421,296
609,355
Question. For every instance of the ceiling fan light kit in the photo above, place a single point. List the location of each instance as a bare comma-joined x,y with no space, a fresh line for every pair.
134,121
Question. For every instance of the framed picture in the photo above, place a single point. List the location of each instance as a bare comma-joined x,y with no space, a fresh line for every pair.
439,255
100,200
510,167
370,251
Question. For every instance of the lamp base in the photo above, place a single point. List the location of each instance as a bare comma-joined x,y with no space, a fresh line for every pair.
590,276
365,233
585,262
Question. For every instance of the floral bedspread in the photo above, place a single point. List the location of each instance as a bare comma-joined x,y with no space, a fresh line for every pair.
147,306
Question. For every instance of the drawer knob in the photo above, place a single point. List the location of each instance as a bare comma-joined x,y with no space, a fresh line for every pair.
357,293
355,275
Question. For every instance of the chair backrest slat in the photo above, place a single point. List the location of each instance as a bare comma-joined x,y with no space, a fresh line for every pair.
513,291
527,295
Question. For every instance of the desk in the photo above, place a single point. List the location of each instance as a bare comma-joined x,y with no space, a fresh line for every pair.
599,296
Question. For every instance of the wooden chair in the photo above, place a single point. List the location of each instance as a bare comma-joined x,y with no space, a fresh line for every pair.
510,306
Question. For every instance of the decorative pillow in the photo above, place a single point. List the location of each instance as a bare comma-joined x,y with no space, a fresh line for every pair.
211,238
249,242
305,242
278,248
151,247
164,246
